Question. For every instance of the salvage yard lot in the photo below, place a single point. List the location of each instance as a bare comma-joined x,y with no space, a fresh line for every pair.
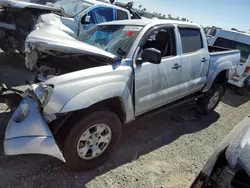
161,150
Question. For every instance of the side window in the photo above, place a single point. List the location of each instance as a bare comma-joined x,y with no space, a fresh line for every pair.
101,14
163,40
226,43
122,15
191,40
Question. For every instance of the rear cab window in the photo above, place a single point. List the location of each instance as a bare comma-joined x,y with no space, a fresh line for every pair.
226,43
191,40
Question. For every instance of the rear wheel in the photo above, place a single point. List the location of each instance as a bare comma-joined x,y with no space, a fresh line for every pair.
209,102
92,140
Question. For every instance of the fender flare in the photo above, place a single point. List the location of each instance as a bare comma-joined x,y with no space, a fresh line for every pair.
221,67
100,93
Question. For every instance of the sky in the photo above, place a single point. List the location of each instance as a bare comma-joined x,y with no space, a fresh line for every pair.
221,13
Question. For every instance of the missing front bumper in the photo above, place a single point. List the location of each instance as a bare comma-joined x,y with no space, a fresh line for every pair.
28,133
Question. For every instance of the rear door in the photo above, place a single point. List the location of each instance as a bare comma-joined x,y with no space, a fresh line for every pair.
195,60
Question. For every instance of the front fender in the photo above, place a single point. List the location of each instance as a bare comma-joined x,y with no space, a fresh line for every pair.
101,93
217,70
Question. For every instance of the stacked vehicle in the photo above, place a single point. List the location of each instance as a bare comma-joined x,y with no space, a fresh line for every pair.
19,18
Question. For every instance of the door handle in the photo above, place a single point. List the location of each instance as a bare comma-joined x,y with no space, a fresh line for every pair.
176,66
203,59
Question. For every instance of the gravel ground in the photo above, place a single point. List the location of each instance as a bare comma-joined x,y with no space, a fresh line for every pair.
156,151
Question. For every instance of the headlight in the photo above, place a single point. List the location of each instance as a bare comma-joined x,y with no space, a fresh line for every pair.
43,93
21,112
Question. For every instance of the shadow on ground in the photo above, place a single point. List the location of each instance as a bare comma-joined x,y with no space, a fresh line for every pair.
13,71
233,99
140,137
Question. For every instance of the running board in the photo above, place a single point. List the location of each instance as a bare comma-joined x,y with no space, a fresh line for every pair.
173,104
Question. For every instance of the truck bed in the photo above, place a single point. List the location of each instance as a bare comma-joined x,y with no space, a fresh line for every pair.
217,49
218,55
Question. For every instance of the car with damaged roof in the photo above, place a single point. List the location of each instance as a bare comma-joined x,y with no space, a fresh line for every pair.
109,76
19,17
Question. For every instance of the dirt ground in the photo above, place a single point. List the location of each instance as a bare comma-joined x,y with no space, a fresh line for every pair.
161,150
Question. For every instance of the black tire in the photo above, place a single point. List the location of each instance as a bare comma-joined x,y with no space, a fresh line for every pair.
202,104
73,160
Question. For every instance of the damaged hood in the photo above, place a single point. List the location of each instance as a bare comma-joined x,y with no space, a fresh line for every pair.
50,38
68,25
22,4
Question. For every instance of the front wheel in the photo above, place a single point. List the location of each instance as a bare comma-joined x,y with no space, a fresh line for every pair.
92,140
209,102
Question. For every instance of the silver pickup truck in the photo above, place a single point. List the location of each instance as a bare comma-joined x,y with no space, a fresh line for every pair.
122,70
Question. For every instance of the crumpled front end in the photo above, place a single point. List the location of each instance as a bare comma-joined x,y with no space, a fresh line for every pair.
28,132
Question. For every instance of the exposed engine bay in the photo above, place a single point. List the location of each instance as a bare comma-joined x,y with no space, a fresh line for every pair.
51,65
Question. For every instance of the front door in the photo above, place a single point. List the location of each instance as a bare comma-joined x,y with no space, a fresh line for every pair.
158,84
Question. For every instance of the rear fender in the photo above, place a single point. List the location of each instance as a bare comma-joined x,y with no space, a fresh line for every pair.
101,93
226,66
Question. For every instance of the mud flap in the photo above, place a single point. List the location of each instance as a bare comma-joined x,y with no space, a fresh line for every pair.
28,133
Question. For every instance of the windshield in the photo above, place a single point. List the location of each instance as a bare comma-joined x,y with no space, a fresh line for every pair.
115,39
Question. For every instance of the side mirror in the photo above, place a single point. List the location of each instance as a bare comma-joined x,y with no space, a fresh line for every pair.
85,19
151,55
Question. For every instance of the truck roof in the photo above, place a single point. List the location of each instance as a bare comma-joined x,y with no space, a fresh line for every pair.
96,2
144,22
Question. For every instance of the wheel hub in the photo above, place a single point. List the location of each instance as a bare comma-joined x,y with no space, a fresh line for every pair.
94,141
213,100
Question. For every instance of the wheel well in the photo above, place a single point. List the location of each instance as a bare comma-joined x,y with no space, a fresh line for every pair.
62,128
222,78
114,104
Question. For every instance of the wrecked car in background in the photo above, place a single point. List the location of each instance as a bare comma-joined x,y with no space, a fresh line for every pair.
122,70
19,18
229,165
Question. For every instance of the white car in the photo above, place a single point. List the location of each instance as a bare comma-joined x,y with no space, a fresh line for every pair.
234,39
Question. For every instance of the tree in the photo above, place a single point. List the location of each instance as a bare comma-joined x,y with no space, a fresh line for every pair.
184,19
187,20
178,18
164,16
144,10
159,14
169,16
140,6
